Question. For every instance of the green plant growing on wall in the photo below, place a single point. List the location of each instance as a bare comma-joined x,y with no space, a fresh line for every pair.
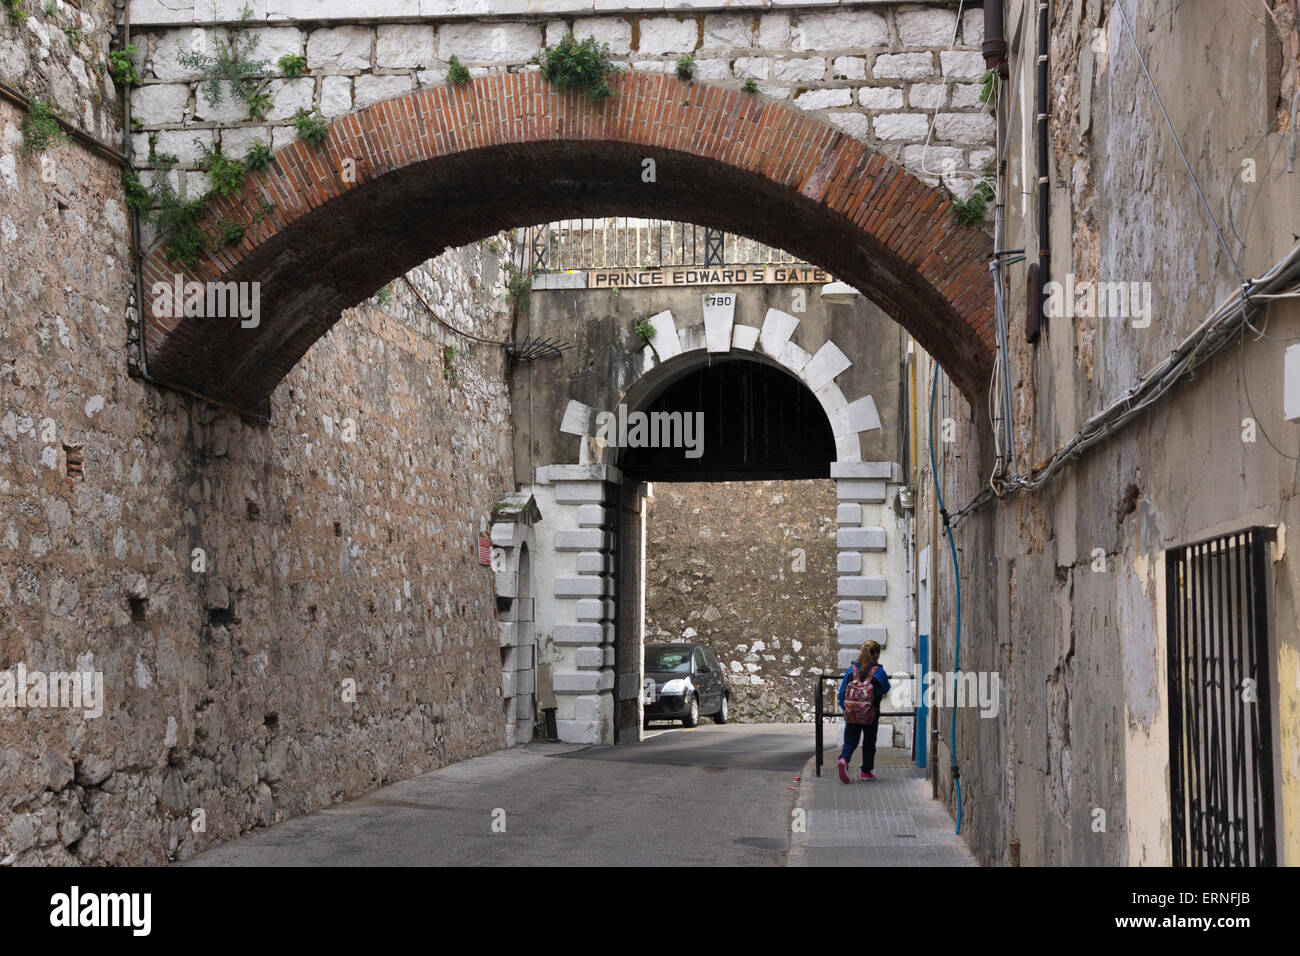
225,176
41,129
645,330
750,85
449,370
585,67
989,86
122,67
519,285
73,34
229,232
971,210
137,196
176,220
232,70
258,157
384,295
293,65
310,126
685,68
15,10
457,72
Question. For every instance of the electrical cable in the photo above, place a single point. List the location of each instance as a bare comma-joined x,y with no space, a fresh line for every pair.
444,323
1245,386
1218,331
957,579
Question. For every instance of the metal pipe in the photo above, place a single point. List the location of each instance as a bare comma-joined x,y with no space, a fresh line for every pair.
995,44
80,135
933,756
1044,159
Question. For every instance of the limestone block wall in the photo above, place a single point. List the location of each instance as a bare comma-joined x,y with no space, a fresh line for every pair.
284,615
905,77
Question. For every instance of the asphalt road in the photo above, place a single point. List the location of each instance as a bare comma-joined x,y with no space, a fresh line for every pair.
715,795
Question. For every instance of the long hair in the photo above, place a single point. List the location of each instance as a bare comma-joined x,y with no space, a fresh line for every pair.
867,658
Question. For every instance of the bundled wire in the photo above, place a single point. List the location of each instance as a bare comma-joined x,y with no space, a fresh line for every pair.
1218,331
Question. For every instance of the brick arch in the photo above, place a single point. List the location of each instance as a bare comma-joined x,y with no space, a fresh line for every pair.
441,167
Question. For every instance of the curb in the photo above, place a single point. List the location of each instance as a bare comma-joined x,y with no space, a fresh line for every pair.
798,853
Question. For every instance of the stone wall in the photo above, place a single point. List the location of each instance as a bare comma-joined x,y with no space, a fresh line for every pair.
234,583
59,58
746,568
905,77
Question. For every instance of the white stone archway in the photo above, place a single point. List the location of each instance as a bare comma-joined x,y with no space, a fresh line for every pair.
580,609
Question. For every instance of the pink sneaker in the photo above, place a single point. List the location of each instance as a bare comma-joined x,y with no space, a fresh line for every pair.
866,776
844,770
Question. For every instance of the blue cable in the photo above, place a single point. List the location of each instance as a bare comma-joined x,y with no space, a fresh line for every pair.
956,576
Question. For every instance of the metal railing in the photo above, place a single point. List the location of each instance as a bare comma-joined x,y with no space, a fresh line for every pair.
572,245
1220,721
821,713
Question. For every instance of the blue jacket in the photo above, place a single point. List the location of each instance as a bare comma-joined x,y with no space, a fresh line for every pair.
881,679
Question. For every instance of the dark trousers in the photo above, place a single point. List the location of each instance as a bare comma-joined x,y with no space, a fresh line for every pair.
867,734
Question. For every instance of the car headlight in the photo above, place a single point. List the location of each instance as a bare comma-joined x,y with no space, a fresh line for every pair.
677,688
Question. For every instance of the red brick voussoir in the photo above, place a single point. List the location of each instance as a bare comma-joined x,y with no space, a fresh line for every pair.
406,178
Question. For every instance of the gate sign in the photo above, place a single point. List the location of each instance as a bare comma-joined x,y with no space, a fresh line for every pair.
719,317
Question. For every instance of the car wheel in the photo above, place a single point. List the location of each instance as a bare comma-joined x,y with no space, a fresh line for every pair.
721,716
693,717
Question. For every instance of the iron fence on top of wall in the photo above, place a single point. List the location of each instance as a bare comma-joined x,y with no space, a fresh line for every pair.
629,243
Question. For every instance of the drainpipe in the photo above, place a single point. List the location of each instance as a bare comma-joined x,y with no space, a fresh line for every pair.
995,44
933,756
1044,162
137,259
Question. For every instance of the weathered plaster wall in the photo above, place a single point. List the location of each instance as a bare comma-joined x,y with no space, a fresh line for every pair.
1083,729
339,541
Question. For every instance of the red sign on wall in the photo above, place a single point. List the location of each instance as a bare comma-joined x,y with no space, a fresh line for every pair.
484,550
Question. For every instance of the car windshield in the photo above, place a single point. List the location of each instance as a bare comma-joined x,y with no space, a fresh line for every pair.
668,660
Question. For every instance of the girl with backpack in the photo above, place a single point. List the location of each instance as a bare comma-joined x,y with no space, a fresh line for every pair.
864,684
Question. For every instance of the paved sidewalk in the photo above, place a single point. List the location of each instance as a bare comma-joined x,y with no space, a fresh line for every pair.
889,821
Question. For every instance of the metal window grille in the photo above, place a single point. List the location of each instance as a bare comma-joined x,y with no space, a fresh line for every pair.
1220,723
